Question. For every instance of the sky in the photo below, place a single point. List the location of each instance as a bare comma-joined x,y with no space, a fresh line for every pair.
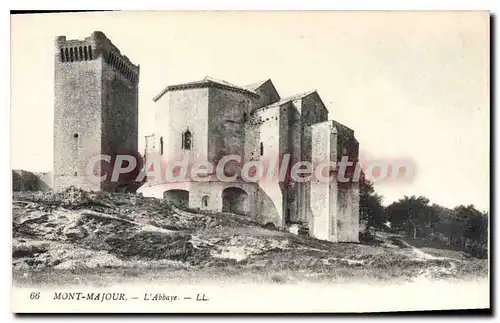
413,85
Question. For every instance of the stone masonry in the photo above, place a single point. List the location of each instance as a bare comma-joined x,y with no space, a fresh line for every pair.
96,109
254,122
96,113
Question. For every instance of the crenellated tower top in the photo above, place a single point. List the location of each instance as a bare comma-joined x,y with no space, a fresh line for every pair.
92,48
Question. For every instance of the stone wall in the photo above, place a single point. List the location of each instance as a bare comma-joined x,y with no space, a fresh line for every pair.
267,122
348,193
334,205
323,198
226,121
309,110
177,112
258,205
228,112
77,113
267,94
95,108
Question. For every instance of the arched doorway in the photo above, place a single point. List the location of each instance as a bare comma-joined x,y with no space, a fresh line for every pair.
177,197
234,200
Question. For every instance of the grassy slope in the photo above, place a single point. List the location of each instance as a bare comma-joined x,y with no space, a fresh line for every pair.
99,238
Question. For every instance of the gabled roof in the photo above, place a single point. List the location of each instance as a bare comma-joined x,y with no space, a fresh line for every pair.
267,92
222,82
207,81
256,85
342,127
292,98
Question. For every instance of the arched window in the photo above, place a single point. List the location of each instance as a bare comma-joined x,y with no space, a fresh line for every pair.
85,52
90,52
204,201
80,51
186,140
161,146
245,117
71,54
62,55
261,148
66,52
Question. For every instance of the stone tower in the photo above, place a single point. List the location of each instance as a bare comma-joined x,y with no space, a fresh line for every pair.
95,110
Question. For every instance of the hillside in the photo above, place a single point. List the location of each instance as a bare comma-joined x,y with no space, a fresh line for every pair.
101,238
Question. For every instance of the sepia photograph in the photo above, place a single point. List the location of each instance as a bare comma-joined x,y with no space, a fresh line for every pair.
250,161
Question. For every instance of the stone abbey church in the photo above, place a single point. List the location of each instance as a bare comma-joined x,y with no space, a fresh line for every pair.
96,112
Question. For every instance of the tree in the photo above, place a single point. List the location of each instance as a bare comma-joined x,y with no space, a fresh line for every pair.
463,227
370,205
475,224
413,214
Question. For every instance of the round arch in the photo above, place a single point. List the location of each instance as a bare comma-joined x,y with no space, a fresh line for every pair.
204,202
177,197
235,200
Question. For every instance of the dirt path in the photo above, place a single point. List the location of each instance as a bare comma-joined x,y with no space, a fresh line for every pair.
434,270
424,255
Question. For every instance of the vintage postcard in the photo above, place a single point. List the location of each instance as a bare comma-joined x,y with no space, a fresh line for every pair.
250,162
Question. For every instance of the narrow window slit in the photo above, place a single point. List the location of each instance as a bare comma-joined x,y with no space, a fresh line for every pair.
186,140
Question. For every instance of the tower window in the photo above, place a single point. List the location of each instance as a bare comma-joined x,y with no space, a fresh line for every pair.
261,148
186,140
62,55
90,52
161,146
66,52
75,135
